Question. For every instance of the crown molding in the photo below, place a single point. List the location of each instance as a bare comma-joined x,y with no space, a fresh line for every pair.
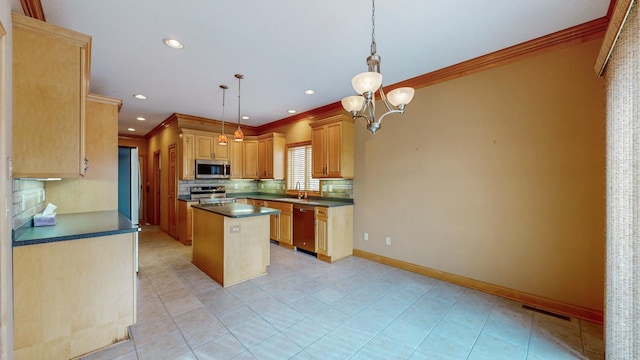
574,35
33,8
618,17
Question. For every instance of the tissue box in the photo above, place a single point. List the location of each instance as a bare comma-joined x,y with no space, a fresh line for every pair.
44,220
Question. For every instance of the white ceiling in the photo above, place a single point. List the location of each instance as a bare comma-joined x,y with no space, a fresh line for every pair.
284,47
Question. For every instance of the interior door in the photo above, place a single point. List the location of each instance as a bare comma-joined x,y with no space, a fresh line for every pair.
144,187
156,188
172,190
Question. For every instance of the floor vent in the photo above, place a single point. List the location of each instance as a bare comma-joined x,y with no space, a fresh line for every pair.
563,317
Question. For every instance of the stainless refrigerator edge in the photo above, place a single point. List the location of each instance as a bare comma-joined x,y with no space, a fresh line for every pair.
129,188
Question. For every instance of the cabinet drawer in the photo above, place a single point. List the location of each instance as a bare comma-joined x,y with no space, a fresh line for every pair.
322,211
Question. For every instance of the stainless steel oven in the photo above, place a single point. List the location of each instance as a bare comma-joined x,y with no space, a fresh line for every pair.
213,169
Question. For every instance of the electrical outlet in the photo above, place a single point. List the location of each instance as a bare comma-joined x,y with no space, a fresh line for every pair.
330,188
235,229
389,240
236,186
366,236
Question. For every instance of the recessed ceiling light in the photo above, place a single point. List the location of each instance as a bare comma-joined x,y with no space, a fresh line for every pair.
131,129
139,96
291,111
140,118
309,92
173,43
245,117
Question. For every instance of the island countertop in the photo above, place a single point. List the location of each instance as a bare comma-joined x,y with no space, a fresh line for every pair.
75,226
237,210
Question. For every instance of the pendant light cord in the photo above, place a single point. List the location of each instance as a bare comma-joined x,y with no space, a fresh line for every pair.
224,90
239,78
373,27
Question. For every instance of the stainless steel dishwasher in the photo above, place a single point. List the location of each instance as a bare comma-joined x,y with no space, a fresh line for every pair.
304,234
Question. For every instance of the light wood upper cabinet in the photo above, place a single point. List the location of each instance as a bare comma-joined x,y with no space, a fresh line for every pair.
208,148
204,147
250,157
332,147
236,157
50,86
198,144
271,148
187,159
98,189
220,152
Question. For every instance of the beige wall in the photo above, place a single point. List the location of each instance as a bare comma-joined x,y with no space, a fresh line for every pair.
161,142
497,176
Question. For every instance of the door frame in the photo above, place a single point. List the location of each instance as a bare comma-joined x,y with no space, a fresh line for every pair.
172,193
6,185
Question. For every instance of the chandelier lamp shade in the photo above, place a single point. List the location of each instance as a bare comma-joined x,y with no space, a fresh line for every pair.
238,135
222,138
368,83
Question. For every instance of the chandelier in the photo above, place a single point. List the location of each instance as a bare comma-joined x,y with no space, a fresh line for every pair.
222,138
367,83
238,135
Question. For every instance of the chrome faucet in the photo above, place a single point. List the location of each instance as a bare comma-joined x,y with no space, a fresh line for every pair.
299,190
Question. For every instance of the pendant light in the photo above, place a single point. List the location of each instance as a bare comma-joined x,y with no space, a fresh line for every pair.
238,135
222,138
367,83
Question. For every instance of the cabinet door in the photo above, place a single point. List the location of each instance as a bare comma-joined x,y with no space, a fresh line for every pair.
236,158
204,147
188,161
268,159
49,94
262,164
322,232
275,227
220,152
250,169
286,225
333,150
318,165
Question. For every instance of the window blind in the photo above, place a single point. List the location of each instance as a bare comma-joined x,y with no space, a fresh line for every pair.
299,169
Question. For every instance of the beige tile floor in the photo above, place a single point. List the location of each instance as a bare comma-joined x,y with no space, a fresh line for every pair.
351,309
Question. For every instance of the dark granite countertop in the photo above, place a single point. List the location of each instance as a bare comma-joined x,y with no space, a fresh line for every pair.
236,210
314,201
310,201
75,226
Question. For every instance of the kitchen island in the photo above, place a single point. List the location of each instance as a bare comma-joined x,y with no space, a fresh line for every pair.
231,241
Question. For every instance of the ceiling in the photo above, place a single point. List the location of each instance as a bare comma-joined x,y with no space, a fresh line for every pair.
284,47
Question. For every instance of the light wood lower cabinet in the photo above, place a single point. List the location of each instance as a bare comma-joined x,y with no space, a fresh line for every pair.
185,221
281,224
72,297
334,232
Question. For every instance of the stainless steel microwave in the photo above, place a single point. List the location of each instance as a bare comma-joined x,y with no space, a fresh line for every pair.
213,169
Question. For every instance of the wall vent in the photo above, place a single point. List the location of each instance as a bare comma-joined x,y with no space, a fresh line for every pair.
559,316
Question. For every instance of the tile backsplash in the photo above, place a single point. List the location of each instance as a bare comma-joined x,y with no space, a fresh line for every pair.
342,189
28,200
330,188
